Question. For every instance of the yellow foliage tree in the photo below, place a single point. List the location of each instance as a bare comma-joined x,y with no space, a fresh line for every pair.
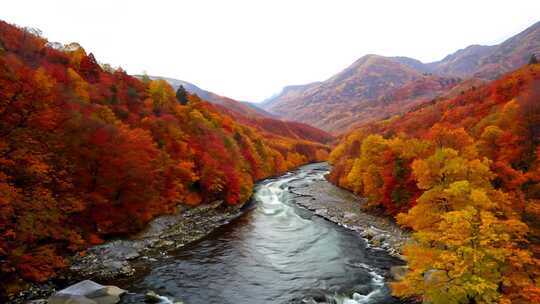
162,94
466,243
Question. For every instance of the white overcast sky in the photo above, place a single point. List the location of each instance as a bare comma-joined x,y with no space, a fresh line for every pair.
249,50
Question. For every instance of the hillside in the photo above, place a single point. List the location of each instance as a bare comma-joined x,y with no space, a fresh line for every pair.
241,107
490,62
251,115
88,152
463,173
375,87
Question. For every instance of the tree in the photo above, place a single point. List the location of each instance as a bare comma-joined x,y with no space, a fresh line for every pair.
161,93
182,95
467,240
533,59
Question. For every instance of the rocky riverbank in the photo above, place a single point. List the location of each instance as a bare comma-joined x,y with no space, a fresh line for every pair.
124,257
346,209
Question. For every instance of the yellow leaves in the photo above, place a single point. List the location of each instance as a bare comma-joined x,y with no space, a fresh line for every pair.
373,146
354,178
196,115
337,153
294,159
80,86
480,199
428,172
457,227
464,221
425,214
76,53
446,166
161,93
491,134
413,148
44,82
106,114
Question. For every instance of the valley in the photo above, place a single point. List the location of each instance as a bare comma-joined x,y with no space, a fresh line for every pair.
393,181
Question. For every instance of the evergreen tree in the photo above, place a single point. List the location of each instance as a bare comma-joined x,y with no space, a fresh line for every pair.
533,59
182,95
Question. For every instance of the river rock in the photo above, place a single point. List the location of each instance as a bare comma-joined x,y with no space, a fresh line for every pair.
152,297
398,272
38,301
87,292
359,298
363,289
69,299
378,240
321,212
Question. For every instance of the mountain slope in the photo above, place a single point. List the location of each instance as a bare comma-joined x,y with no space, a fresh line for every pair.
429,167
375,87
366,90
244,108
251,115
489,62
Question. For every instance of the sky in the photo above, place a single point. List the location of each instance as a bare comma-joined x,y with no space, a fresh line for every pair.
250,49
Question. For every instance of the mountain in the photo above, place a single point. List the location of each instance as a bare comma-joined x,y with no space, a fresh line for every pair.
464,62
249,114
371,88
242,107
376,87
490,62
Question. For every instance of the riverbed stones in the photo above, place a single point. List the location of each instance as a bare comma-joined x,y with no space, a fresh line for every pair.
87,292
70,299
346,209
38,301
121,258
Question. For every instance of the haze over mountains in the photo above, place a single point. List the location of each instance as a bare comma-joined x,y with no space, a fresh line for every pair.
376,87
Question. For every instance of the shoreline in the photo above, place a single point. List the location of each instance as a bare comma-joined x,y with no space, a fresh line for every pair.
345,209
124,258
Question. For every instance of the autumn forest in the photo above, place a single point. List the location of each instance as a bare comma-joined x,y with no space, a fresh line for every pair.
89,153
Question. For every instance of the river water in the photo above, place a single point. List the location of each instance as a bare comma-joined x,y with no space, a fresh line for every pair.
274,253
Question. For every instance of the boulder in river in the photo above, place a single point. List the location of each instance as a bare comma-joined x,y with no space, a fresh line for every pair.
152,297
87,292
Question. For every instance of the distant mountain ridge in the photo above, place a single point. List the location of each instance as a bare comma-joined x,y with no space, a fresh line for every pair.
243,107
375,87
361,92
249,114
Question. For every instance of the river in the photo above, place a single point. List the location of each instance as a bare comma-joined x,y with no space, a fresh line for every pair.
276,252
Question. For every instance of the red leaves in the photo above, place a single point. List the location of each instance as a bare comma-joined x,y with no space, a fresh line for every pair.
496,126
87,152
40,264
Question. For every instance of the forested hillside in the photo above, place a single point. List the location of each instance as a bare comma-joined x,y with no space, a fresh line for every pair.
463,173
376,87
88,152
